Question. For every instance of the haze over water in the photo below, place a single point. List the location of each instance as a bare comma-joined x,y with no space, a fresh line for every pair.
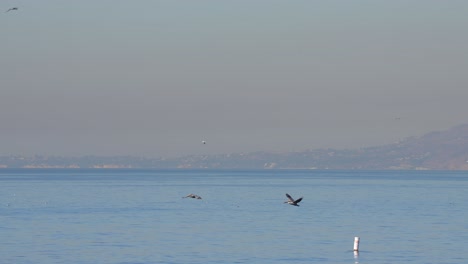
155,78
139,216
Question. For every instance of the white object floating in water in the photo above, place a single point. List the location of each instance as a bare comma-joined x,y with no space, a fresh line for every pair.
356,244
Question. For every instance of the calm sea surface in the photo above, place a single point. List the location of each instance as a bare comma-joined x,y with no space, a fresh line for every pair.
139,216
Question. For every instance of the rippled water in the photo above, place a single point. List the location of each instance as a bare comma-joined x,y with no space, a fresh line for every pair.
139,216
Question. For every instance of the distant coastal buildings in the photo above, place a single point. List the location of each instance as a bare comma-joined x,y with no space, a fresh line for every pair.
75,166
447,150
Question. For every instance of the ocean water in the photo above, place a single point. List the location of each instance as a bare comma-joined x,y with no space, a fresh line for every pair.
139,216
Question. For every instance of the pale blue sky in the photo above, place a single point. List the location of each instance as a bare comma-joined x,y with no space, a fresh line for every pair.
155,78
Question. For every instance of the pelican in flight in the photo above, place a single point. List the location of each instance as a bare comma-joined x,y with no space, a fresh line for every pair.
12,9
194,196
291,201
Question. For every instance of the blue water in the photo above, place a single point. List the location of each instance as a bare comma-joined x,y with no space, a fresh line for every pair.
139,216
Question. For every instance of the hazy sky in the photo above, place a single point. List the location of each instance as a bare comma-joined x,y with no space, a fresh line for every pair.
155,78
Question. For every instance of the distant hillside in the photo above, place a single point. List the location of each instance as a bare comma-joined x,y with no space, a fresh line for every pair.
437,150
446,150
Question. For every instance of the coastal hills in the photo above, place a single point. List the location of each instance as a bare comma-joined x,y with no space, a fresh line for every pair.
444,150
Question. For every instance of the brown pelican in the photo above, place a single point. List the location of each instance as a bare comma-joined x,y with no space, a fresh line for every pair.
291,201
194,196
12,9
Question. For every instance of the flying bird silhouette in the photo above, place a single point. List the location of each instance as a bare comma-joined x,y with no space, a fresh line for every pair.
11,9
291,201
194,196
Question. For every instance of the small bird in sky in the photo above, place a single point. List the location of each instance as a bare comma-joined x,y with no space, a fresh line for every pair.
11,9
291,201
203,142
194,196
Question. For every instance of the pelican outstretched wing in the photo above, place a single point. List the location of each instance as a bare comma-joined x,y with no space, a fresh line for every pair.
290,198
193,196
